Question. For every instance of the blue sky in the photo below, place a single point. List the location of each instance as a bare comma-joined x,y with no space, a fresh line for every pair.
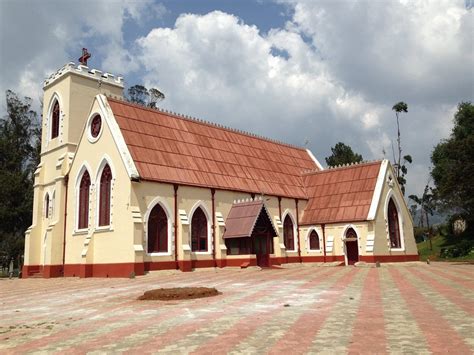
314,71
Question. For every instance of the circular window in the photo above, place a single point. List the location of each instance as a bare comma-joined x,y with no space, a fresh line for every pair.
96,124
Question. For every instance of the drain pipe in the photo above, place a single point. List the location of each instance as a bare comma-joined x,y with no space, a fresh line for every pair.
279,208
324,241
66,183
298,230
176,225
213,192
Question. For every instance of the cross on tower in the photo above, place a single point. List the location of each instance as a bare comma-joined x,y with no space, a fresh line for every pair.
85,55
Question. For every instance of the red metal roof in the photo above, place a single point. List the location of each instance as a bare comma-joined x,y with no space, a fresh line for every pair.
242,218
340,194
170,148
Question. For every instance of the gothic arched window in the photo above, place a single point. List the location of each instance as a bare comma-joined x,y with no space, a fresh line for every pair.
314,241
157,230
83,213
393,226
199,231
104,197
55,120
288,233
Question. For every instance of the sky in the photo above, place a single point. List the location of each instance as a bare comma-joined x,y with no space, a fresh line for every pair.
307,72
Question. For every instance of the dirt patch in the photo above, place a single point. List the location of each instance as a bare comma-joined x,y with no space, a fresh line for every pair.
179,293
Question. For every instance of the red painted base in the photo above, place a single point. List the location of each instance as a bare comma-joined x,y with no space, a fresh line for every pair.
137,269
388,258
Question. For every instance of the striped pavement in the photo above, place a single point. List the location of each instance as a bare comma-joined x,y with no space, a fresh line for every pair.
398,308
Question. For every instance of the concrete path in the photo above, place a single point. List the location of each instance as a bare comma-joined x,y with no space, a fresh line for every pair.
404,308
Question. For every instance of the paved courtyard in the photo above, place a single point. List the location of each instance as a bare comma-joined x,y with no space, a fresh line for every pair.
410,308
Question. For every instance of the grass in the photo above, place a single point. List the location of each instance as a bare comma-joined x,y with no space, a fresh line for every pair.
438,243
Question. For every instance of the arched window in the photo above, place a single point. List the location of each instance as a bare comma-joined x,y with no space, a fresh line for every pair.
393,225
46,206
55,120
104,196
84,188
314,241
157,230
199,231
288,233
351,233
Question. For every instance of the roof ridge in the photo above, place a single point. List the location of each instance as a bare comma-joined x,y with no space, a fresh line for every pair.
201,121
342,166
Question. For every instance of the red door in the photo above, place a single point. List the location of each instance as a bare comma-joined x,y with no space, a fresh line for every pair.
352,252
262,250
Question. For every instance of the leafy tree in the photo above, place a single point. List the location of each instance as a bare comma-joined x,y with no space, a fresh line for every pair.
19,156
453,165
146,97
400,166
342,154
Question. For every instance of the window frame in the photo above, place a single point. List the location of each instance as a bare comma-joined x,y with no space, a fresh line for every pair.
311,231
55,120
162,210
206,226
107,215
79,208
293,231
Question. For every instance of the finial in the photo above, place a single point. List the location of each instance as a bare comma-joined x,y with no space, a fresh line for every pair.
85,56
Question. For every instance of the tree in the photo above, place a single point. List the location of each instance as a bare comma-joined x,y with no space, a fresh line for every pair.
400,169
146,97
453,165
342,154
19,156
427,208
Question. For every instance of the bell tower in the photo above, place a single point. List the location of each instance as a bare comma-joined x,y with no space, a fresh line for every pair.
67,100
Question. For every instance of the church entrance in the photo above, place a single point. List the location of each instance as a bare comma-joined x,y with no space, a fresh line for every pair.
261,248
249,230
352,247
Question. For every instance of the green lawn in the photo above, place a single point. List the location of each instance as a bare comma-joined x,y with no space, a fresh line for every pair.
438,242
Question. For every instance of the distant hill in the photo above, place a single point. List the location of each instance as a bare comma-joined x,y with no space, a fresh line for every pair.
436,219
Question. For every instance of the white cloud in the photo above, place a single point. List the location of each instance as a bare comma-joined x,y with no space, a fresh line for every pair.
36,38
361,58
331,74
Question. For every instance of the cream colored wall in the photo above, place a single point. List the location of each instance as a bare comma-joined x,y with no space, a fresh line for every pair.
337,231
112,244
382,246
75,95
146,193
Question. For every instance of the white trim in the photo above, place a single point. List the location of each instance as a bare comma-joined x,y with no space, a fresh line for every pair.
162,202
208,215
105,160
90,138
343,238
391,195
85,166
318,231
117,136
52,206
45,238
378,190
316,161
287,212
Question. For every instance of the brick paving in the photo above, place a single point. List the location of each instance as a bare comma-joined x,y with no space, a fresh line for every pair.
398,308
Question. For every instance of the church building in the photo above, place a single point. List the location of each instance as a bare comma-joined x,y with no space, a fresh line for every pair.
123,189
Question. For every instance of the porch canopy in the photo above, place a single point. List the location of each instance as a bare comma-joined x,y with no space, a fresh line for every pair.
243,217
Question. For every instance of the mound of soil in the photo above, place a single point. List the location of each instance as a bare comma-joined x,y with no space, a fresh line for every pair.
178,293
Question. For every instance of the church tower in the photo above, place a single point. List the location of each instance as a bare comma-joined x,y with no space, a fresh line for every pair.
67,99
